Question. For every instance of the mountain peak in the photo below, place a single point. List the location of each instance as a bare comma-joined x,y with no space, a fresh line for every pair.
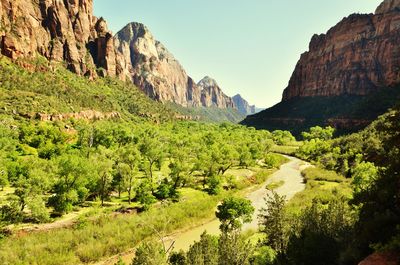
133,31
243,106
208,82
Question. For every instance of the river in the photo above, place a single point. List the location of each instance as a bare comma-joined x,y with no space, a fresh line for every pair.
289,173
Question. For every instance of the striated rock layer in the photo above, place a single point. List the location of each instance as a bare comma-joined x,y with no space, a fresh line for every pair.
62,31
357,56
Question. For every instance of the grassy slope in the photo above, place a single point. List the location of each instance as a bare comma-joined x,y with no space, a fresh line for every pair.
321,185
316,110
60,91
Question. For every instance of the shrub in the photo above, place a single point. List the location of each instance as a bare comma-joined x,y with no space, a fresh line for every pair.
150,253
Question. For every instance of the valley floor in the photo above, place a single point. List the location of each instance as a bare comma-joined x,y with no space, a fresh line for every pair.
289,174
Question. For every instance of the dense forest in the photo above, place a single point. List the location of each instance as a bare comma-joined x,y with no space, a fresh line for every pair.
136,156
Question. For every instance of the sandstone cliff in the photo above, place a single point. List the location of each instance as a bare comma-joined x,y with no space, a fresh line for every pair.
357,56
161,76
243,106
62,31
154,69
349,76
212,95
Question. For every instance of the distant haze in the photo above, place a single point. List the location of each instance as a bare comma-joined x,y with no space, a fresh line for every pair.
250,47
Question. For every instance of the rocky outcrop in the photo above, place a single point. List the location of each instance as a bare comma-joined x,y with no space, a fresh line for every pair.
83,115
382,259
357,56
212,95
154,68
156,71
62,31
243,106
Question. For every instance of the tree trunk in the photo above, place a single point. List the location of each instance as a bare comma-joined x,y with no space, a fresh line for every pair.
129,193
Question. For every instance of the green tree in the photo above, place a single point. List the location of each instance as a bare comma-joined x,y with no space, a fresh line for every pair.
73,172
152,153
228,157
144,195
364,176
181,164
204,252
282,137
233,212
379,207
104,163
274,222
233,249
323,227
319,133
128,167
35,180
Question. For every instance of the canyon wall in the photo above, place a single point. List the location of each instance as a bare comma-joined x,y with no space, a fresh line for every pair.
356,57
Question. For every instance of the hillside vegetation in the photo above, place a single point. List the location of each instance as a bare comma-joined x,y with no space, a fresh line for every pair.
41,88
348,113
210,114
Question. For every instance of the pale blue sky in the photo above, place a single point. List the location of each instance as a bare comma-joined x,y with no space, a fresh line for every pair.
249,46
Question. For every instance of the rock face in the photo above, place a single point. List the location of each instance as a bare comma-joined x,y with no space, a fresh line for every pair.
160,75
243,106
62,31
357,56
349,76
154,69
212,95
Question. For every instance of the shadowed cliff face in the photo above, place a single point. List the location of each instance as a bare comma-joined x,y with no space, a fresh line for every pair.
355,57
60,31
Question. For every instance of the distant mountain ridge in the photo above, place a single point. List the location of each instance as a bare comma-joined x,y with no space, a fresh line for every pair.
244,106
354,60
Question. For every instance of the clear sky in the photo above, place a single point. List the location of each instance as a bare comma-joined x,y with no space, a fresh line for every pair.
249,46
